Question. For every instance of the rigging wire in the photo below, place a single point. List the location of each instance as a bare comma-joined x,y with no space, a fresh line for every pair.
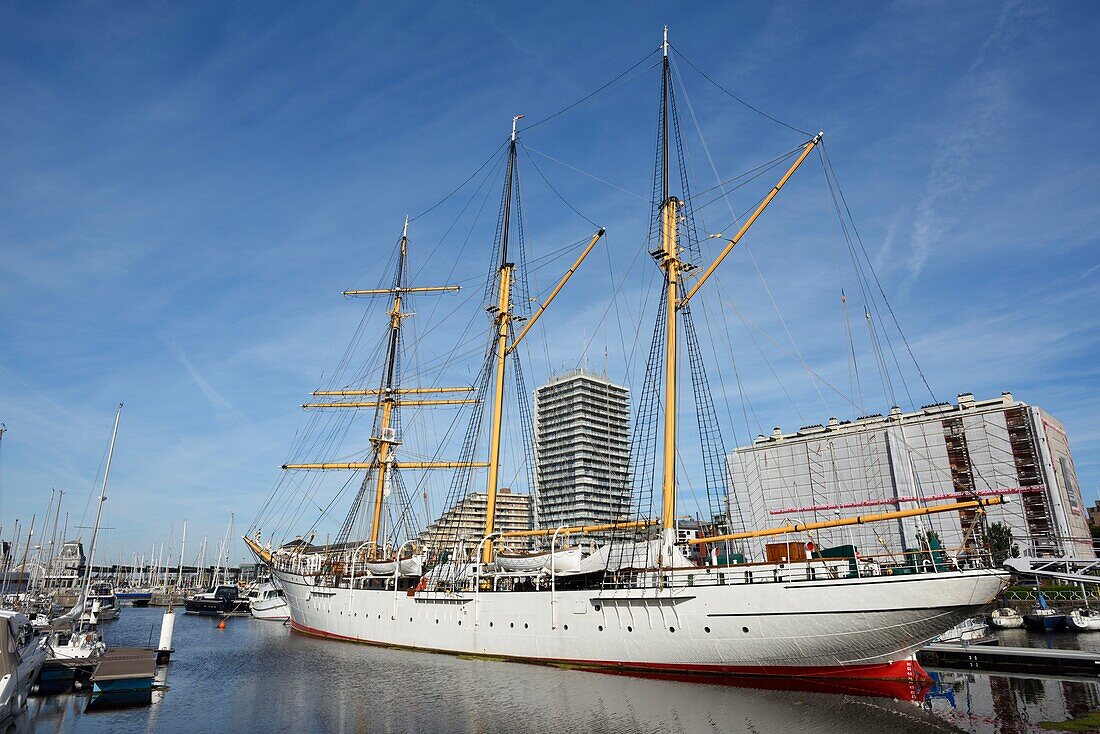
586,173
605,88
757,110
752,257
538,170
461,185
874,274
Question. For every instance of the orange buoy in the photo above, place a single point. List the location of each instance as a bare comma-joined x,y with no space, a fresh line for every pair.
221,625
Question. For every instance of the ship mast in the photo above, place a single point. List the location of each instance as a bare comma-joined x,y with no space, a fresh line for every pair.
675,300
502,321
386,401
386,438
671,264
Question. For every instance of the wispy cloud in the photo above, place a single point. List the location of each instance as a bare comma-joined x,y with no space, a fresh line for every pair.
216,399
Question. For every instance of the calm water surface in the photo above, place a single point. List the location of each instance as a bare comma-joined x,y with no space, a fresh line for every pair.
260,677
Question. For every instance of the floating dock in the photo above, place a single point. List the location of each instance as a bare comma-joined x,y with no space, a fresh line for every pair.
124,677
1042,661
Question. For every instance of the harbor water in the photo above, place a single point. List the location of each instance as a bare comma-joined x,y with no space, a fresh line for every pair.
258,676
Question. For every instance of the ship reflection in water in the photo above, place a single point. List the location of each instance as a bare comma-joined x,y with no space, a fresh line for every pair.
258,676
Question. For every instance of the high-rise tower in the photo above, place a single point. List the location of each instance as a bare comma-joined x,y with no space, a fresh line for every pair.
582,436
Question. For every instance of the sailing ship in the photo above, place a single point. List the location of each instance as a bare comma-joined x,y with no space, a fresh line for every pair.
636,603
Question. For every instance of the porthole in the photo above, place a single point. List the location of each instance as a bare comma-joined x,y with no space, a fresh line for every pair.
490,624
437,621
629,629
524,625
566,627
596,607
600,628
460,623
511,625
745,630
410,619
707,630
671,629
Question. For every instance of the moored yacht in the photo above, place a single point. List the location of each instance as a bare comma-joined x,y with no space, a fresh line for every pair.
21,659
220,600
267,601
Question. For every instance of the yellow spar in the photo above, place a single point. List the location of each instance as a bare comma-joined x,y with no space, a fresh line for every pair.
857,520
749,222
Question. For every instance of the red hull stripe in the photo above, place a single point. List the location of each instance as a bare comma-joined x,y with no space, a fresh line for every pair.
902,670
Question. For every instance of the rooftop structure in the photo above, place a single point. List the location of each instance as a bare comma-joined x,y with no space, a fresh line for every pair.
941,453
582,426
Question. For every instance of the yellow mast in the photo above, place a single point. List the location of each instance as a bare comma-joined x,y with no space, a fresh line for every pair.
502,322
670,263
385,438
388,399
674,268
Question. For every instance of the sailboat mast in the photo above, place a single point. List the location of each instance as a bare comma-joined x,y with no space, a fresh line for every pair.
502,323
102,499
671,264
384,439
183,547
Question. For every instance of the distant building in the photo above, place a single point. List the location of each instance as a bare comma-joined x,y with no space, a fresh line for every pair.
466,520
68,568
942,453
1094,514
582,437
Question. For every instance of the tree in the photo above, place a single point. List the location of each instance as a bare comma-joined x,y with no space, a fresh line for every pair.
1000,543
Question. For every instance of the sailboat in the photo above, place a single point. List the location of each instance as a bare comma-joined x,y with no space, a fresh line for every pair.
75,644
637,603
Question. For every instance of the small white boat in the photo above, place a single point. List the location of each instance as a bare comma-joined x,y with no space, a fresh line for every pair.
1083,620
266,601
409,566
381,568
566,560
21,659
1006,618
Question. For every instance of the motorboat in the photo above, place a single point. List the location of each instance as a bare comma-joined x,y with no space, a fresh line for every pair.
1006,618
21,659
220,600
267,601
1083,620
136,597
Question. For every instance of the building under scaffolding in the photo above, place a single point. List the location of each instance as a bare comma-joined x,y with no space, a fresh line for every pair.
940,454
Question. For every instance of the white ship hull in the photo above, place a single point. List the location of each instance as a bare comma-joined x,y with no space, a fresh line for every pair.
867,626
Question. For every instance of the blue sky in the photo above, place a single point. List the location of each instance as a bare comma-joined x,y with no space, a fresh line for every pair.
185,191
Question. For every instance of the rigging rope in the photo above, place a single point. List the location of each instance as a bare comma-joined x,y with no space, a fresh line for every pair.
757,110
